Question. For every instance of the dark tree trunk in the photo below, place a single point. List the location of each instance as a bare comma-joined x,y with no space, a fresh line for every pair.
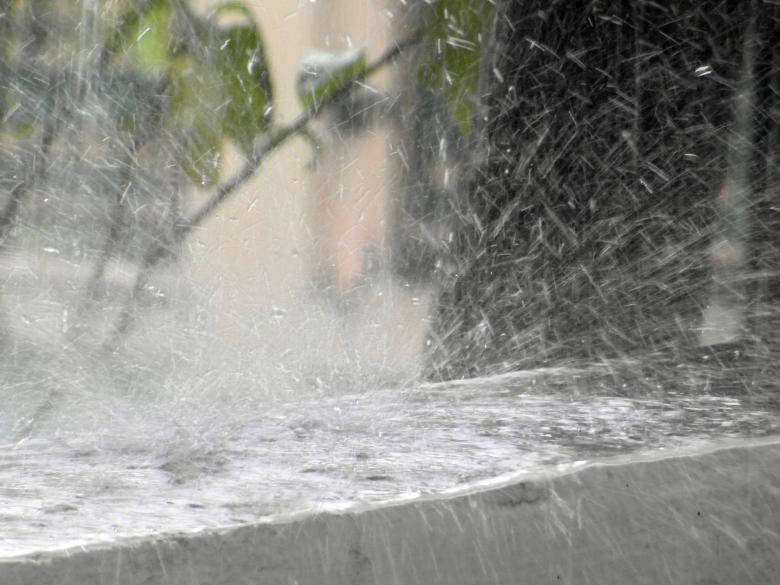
604,143
429,151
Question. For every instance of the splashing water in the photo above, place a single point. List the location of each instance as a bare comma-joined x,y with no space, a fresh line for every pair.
223,356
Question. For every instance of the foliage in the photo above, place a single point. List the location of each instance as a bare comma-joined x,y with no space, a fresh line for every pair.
213,94
453,52
321,75
188,82
157,50
124,102
155,89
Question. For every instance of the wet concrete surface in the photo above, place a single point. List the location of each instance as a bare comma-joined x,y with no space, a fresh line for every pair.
495,480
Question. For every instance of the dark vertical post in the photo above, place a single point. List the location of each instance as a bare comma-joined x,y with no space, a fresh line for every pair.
592,209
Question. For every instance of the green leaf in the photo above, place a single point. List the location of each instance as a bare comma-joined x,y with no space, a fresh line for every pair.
453,53
126,23
30,98
246,84
219,80
198,152
195,120
131,97
320,75
144,31
236,7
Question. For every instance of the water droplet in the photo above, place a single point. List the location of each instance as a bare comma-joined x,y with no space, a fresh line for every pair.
143,33
278,313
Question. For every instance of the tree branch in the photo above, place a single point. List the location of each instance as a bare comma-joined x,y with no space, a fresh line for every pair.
159,251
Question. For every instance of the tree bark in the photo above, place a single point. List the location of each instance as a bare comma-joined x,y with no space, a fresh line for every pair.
591,204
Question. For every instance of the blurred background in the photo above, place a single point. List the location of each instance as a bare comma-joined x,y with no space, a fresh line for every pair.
292,272
478,205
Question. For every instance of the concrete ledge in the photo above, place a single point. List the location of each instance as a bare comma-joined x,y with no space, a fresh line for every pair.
706,516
